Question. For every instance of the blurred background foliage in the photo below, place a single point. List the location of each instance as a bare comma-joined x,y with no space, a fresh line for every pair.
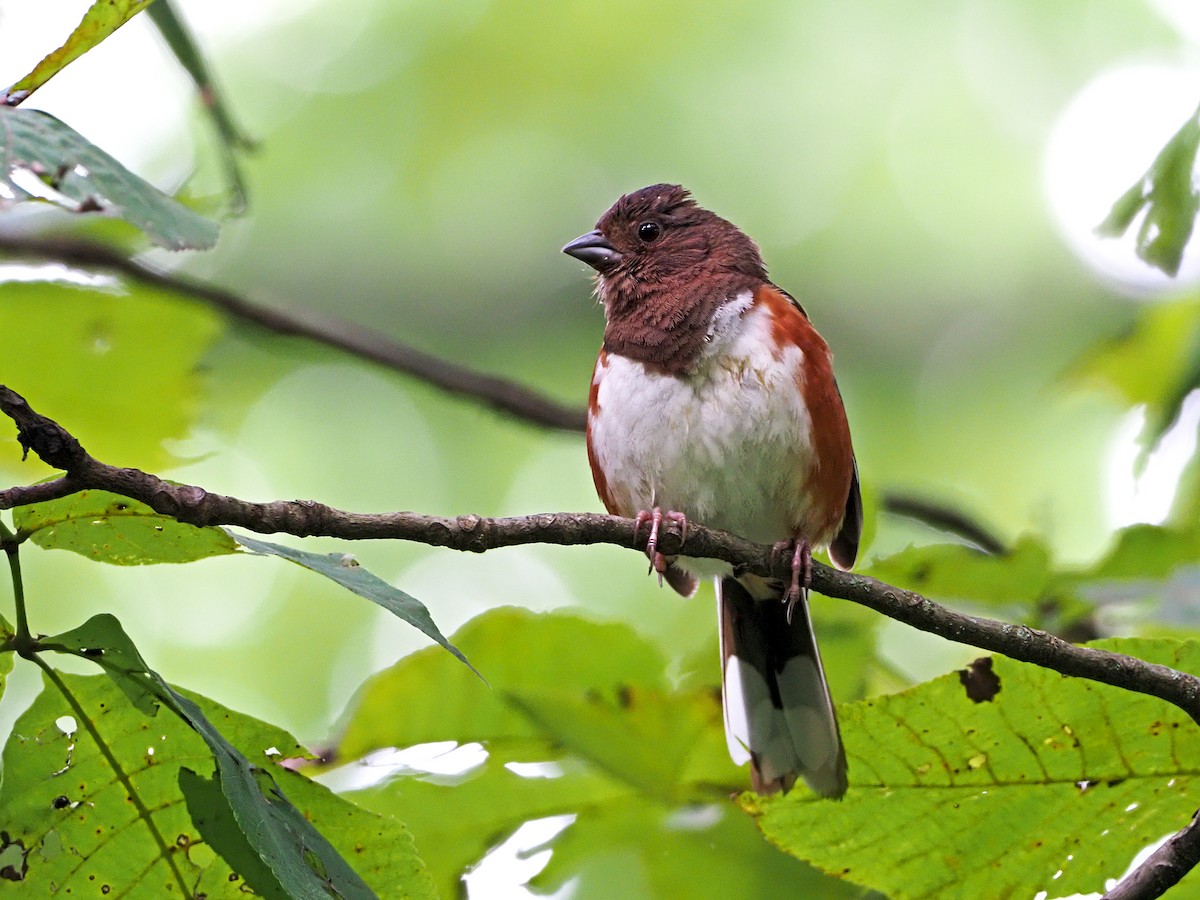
925,177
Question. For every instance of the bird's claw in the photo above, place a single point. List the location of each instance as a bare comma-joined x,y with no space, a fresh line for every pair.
801,580
655,516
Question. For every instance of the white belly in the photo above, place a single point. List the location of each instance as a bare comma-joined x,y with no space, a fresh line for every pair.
729,447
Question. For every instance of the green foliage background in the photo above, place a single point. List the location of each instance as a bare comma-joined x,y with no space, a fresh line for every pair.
419,167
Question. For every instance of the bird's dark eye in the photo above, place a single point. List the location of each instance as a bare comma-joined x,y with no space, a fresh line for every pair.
649,231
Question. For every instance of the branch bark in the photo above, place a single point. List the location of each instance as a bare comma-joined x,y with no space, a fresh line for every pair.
195,505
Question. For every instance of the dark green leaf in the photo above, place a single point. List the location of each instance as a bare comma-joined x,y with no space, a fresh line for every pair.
214,819
1053,775
102,640
1169,195
345,570
179,38
102,19
113,529
83,178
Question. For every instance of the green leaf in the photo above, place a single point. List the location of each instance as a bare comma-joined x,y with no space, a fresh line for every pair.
114,529
300,858
102,640
7,657
345,570
68,822
1155,364
443,703
457,821
649,738
954,571
102,19
83,358
1168,194
1055,784
179,38
1146,552
83,178
638,848
643,768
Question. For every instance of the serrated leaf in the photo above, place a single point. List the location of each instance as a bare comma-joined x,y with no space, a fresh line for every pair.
346,571
83,178
74,830
1168,194
1054,784
114,529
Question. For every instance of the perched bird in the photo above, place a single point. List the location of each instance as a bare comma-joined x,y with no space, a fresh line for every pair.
713,400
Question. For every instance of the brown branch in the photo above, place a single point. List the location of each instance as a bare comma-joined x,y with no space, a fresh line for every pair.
303,518
491,390
1164,868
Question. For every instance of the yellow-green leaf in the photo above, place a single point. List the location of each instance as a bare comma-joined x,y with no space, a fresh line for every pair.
102,19
114,529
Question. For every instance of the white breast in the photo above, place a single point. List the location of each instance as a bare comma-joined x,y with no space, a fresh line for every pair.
729,446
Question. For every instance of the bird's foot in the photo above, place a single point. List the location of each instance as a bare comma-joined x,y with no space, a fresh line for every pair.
801,554
658,562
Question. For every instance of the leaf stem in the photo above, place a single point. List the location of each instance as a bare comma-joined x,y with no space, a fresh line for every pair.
12,546
106,751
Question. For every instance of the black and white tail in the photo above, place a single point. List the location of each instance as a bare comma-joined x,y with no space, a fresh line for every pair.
778,713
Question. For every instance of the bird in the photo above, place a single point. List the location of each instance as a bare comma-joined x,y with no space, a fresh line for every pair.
713,401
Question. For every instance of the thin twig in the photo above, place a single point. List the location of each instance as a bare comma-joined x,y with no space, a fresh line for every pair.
944,518
197,506
491,390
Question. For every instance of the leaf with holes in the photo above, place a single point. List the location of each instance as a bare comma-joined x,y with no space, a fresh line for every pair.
1052,785
114,529
68,825
46,159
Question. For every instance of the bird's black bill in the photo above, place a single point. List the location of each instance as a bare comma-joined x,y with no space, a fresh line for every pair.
594,249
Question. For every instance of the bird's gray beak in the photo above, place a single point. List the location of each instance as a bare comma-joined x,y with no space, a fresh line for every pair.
594,249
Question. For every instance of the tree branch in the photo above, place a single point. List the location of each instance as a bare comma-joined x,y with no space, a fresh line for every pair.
303,518
490,390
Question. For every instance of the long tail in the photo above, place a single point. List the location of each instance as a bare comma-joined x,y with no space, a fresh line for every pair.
778,713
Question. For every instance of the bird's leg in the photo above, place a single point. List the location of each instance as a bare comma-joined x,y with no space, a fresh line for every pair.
801,554
658,562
